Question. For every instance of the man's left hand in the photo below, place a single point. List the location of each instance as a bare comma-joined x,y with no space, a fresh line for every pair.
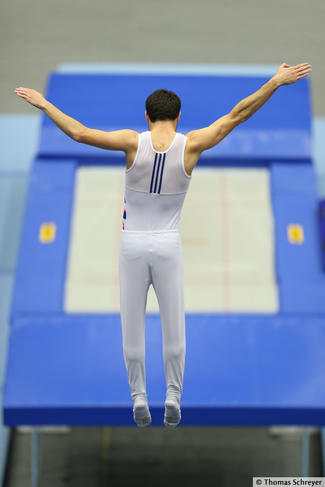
32,96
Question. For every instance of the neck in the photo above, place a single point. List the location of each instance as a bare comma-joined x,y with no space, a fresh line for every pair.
163,126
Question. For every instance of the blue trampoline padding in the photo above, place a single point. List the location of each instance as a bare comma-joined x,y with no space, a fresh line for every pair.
293,178
297,260
240,370
41,268
303,296
294,201
321,228
281,129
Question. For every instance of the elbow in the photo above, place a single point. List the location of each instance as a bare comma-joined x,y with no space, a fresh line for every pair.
77,136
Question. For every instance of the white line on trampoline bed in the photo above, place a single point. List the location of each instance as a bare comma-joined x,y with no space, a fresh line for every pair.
170,68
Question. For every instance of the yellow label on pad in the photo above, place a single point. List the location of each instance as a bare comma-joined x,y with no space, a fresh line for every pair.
295,233
47,232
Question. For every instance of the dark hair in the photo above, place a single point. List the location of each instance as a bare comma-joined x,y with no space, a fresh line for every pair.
163,105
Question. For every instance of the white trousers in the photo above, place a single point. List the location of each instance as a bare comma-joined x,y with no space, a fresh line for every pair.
152,257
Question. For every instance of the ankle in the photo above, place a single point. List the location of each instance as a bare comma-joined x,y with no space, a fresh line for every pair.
176,398
139,398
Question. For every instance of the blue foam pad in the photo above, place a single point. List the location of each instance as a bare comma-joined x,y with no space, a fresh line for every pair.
299,273
306,296
294,178
294,201
71,371
281,128
41,267
297,260
321,216
301,281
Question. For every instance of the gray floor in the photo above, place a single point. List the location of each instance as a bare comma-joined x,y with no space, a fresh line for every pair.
37,36
223,457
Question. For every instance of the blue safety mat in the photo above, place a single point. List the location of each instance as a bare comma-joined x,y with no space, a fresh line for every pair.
240,370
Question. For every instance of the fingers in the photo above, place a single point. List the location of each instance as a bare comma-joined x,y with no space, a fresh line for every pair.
25,91
303,75
298,66
303,72
302,66
22,92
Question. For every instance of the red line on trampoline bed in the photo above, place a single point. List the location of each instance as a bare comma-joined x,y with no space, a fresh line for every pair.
225,238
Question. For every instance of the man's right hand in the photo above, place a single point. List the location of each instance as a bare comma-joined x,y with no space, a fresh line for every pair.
286,75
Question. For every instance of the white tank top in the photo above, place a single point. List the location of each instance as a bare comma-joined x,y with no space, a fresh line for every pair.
155,186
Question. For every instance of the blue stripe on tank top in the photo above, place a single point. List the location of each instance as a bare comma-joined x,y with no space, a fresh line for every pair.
153,172
161,174
157,175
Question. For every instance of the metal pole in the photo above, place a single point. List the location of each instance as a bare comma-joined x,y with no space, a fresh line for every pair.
34,457
305,453
323,448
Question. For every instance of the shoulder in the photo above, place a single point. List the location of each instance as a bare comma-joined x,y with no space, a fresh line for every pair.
191,142
131,138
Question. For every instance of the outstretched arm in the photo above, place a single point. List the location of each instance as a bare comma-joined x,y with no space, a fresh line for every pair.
123,140
207,137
